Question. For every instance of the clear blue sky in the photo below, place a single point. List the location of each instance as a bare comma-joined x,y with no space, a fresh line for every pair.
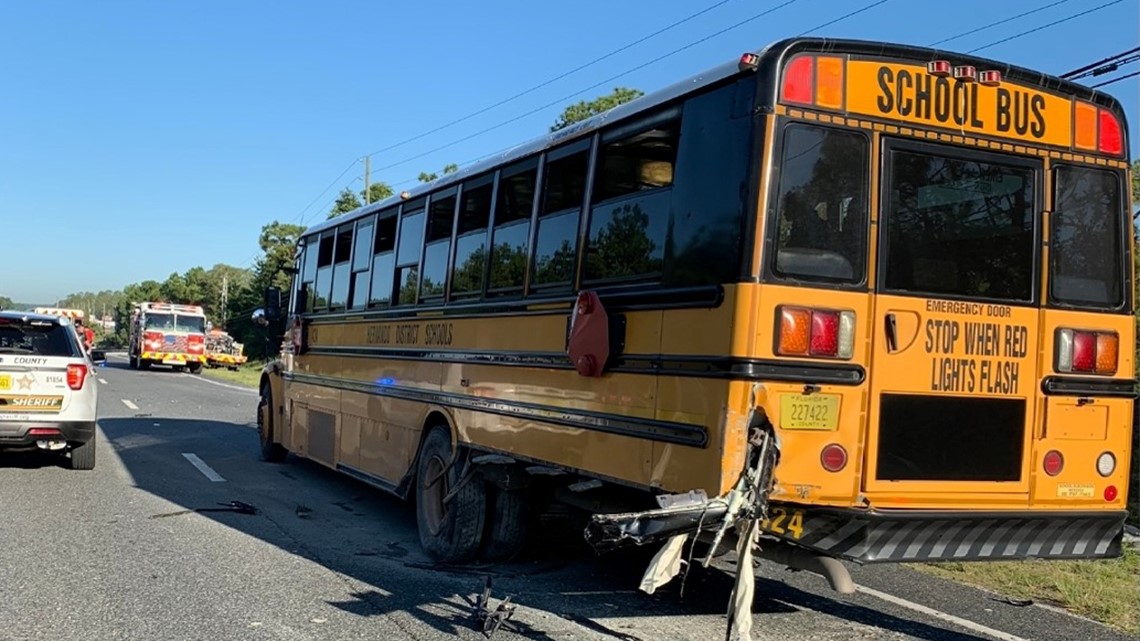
140,138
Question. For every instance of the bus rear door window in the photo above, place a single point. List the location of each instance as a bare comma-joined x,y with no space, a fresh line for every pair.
959,227
1087,264
342,269
324,271
821,230
408,256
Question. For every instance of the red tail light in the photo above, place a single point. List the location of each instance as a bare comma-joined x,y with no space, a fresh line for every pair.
1053,463
799,80
815,332
1110,493
1089,352
1110,141
76,374
43,432
833,458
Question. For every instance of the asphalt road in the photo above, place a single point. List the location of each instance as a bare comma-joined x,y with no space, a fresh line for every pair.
119,553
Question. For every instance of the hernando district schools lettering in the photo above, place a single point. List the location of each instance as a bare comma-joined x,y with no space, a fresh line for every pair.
975,356
410,334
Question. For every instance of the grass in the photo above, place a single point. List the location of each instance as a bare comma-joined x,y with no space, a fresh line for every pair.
247,375
1103,590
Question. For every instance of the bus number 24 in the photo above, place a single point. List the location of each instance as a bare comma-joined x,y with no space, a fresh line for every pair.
781,521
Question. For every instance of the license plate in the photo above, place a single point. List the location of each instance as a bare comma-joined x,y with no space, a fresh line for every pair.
809,411
5,382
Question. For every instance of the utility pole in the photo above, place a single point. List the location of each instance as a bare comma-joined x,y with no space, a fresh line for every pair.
225,297
367,171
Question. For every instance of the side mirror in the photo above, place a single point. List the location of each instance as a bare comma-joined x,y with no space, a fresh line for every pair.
272,311
258,317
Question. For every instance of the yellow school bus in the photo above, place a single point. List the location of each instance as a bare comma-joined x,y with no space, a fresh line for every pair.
877,299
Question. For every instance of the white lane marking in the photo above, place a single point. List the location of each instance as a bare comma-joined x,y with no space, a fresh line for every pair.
237,388
203,468
129,404
103,381
965,623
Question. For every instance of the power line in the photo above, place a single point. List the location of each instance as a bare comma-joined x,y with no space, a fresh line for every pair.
562,100
844,17
552,80
1091,67
1109,82
347,169
995,24
1046,26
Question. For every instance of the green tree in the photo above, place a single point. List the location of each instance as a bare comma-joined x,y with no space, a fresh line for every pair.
426,177
6,303
376,192
584,109
346,201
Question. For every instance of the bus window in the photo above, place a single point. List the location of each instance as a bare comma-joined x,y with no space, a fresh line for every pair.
439,228
324,270
822,205
557,238
309,271
383,260
629,223
342,270
959,227
1087,266
408,254
511,235
361,261
471,237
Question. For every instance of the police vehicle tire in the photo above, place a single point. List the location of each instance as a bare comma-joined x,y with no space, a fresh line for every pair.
452,532
509,525
270,451
83,456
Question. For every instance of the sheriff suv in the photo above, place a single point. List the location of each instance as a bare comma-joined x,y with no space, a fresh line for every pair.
48,394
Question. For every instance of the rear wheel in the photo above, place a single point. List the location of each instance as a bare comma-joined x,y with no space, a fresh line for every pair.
450,531
195,368
509,526
83,456
270,451
144,364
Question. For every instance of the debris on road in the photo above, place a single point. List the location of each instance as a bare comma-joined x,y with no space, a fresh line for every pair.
233,506
489,621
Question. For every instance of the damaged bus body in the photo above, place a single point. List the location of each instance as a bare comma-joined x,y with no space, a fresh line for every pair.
854,300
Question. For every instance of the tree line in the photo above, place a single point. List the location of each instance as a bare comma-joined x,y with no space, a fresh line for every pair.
229,294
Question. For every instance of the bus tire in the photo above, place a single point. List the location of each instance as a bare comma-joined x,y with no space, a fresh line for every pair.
450,533
270,451
507,532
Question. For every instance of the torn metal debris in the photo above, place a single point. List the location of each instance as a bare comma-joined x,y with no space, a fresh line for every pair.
489,621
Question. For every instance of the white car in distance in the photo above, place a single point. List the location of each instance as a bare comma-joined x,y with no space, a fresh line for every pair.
48,395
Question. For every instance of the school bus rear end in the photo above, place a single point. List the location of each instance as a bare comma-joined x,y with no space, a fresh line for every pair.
967,339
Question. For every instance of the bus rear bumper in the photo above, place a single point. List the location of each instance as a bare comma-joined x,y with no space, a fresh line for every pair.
891,536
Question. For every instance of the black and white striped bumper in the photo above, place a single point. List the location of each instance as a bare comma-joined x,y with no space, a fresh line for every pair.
905,536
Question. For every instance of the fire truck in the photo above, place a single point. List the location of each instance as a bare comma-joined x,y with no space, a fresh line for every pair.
168,334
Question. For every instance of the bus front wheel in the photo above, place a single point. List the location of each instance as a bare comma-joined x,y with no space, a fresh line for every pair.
450,523
270,451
